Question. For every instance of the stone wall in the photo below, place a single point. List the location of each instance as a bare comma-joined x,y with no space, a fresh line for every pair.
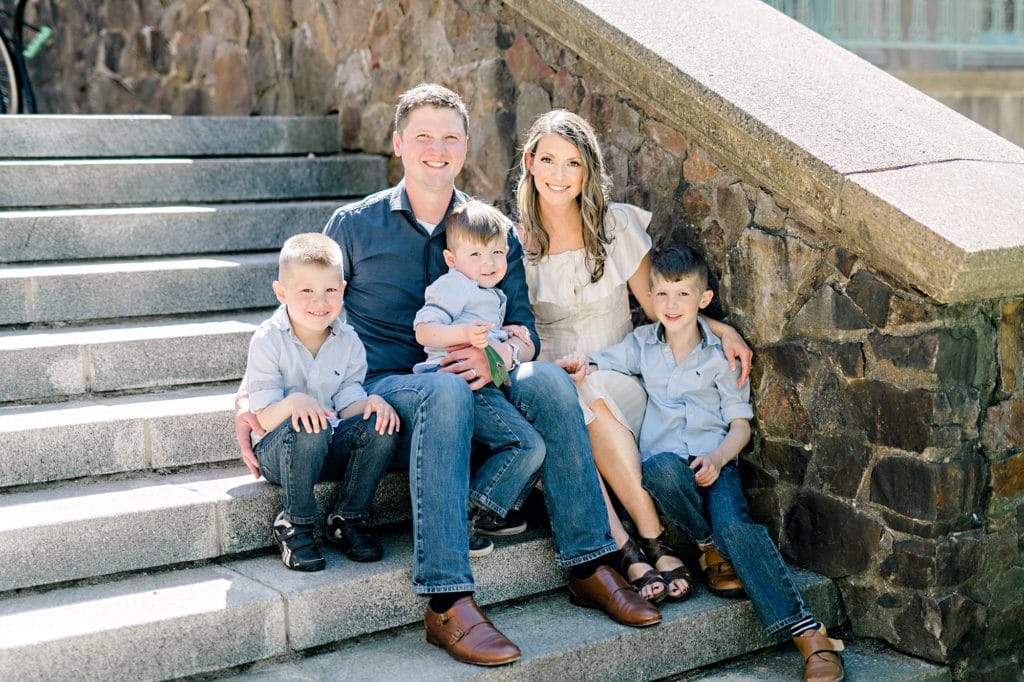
889,447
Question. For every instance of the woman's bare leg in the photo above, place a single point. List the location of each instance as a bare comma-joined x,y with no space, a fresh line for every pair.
618,461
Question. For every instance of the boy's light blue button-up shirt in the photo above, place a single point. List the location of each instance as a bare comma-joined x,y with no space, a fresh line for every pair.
456,299
689,405
280,365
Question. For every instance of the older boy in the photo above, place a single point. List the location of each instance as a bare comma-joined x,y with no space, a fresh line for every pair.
696,423
304,378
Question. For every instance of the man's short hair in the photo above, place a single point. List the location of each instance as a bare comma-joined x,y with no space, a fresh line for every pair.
429,95
475,222
309,248
676,262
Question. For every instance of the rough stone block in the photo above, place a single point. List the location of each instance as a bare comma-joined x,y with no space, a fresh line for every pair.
1004,425
826,311
162,626
892,416
926,491
829,536
1008,476
1010,346
942,628
781,413
788,460
840,462
97,529
871,295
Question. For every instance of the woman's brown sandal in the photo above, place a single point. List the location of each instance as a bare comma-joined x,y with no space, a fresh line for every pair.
630,554
655,549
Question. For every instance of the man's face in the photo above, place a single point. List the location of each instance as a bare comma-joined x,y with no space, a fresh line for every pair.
432,147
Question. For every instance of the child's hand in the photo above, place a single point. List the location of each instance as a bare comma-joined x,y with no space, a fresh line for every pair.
518,331
387,418
476,333
705,470
308,412
576,365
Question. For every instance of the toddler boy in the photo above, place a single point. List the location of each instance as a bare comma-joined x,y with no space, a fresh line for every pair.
462,307
696,423
304,379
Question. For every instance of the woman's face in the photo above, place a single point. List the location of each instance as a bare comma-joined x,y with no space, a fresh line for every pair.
557,169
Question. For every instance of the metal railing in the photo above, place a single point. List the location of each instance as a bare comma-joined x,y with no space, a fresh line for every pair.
958,27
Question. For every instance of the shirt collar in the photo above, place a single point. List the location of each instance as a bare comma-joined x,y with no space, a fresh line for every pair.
657,334
400,202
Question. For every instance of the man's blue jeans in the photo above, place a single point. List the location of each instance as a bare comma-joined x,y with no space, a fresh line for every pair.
296,460
438,414
766,578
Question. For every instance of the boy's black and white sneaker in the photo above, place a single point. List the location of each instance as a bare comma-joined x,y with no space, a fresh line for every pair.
479,545
356,540
486,522
298,545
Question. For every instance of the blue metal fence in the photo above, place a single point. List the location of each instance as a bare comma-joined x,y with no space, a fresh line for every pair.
954,26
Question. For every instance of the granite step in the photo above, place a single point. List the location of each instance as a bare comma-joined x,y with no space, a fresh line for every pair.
113,435
91,182
71,292
141,231
864,660
100,527
560,641
61,363
71,136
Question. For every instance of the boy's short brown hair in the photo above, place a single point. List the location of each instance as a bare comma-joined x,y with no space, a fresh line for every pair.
676,262
475,222
429,95
310,248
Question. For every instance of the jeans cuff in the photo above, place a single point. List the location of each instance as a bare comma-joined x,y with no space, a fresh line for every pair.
576,561
300,520
487,503
781,625
442,589
350,515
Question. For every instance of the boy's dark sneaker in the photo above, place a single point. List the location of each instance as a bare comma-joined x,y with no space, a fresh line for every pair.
298,545
486,522
356,540
479,545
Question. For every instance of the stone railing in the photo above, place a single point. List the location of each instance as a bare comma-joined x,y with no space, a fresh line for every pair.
866,240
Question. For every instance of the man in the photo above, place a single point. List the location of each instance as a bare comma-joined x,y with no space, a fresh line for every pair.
393,245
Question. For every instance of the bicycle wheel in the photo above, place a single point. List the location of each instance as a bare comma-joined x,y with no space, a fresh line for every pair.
8,79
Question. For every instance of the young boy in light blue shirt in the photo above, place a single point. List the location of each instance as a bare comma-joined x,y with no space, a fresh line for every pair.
304,379
696,424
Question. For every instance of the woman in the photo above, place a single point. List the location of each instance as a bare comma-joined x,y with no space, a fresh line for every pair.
584,255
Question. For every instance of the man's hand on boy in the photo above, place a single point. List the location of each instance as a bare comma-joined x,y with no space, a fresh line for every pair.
309,413
245,424
576,365
469,363
387,418
705,470
476,333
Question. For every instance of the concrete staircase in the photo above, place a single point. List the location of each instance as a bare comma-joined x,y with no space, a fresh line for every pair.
136,255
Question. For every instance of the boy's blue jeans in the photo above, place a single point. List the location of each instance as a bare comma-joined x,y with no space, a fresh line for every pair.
767,580
296,460
438,419
511,452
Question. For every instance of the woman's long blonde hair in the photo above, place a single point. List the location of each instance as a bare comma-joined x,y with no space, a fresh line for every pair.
593,198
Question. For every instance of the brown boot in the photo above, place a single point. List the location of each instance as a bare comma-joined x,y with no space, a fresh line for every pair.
822,662
466,634
722,579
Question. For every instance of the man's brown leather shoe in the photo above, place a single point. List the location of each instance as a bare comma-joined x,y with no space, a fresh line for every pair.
822,662
722,579
466,634
608,591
